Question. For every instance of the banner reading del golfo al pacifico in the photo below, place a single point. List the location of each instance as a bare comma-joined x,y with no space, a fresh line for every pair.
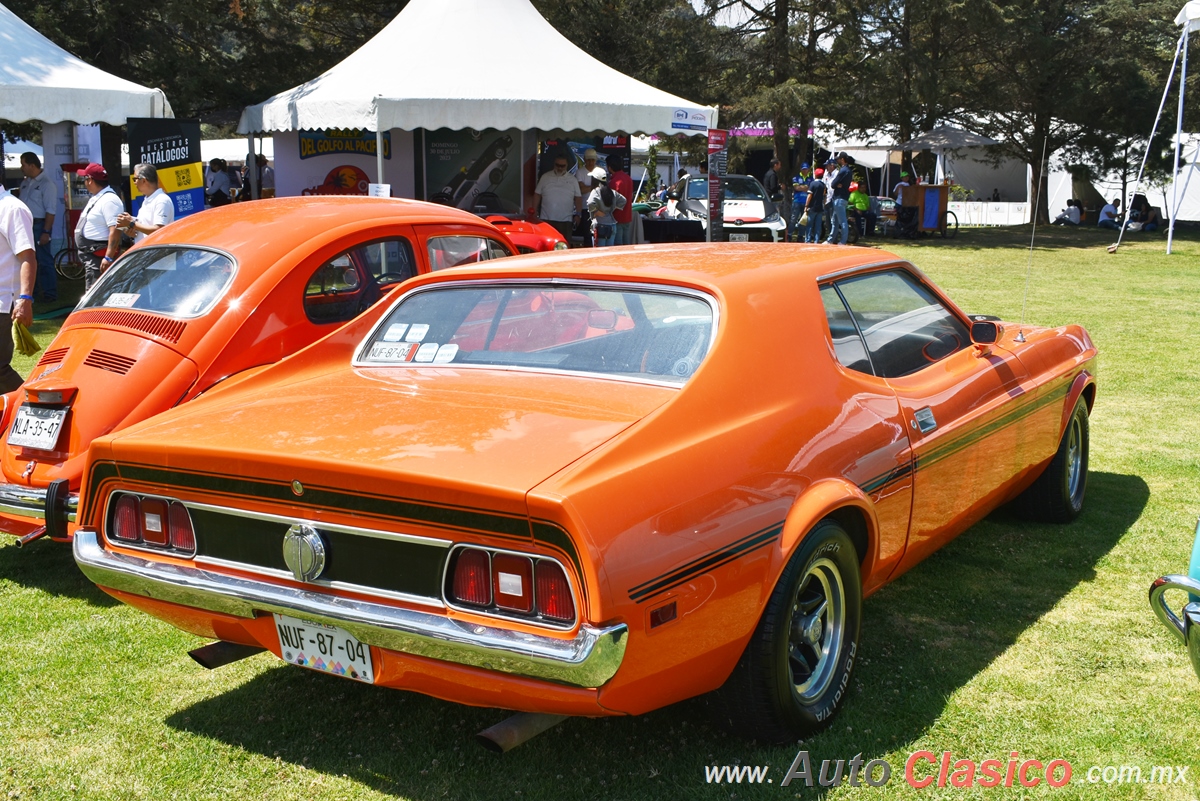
173,148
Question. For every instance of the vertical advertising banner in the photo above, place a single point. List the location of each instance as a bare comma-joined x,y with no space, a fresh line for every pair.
173,148
718,157
474,170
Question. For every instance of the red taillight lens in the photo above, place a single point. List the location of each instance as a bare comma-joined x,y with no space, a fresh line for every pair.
512,582
154,521
472,578
183,536
127,519
554,599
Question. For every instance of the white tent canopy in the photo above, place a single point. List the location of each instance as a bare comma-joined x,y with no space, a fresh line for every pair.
946,137
472,64
1189,15
41,81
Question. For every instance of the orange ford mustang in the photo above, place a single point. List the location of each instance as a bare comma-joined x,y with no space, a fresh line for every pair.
596,483
204,299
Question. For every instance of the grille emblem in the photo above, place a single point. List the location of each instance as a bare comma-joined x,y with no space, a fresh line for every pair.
304,552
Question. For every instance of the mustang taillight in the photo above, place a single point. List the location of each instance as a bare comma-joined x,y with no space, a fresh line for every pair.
511,584
157,523
183,536
473,578
126,519
553,592
154,521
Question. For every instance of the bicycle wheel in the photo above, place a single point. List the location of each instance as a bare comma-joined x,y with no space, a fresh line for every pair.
68,265
949,227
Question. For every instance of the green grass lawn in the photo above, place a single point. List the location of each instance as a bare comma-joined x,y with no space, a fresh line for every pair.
1016,637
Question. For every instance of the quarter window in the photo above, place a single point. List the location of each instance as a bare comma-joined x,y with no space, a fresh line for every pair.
451,251
903,325
346,285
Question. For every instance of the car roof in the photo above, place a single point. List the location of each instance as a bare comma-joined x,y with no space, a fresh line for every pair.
720,268
234,227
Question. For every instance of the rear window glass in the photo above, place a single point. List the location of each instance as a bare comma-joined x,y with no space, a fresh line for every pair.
177,281
451,251
640,334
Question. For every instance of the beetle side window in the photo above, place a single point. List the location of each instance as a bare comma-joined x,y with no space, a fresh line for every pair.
346,285
905,326
847,343
451,251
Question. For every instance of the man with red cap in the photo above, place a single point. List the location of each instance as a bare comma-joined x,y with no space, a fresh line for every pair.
17,268
97,231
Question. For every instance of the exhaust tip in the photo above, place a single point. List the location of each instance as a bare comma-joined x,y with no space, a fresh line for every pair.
513,731
218,654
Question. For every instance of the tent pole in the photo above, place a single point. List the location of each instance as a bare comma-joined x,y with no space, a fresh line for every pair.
1178,138
378,152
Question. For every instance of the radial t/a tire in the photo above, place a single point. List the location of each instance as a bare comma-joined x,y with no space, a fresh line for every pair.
794,675
1057,494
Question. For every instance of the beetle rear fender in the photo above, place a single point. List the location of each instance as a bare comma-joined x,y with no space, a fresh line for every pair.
841,500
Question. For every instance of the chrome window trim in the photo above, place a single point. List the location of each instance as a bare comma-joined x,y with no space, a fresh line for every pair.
532,619
217,298
588,659
557,282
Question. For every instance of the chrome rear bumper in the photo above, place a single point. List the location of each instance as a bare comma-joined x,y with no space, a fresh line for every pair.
589,659
31,502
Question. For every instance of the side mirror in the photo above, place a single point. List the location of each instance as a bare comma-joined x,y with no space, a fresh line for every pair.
986,332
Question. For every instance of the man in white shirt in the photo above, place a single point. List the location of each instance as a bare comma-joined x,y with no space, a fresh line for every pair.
97,231
556,199
16,270
157,209
1110,217
40,194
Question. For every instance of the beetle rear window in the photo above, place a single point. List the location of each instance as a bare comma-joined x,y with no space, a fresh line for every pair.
642,334
177,281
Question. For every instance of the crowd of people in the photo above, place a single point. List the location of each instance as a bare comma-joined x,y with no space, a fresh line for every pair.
606,193
1142,216
828,199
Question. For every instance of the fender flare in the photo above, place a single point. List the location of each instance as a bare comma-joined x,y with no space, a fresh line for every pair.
1079,386
817,502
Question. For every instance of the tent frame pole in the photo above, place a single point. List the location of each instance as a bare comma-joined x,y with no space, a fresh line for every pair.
378,152
1183,44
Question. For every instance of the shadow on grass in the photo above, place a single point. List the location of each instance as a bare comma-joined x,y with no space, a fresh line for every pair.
924,637
48,566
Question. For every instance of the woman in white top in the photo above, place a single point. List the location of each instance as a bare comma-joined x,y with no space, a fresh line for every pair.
601,203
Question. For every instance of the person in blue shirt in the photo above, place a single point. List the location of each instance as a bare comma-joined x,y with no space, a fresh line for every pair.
814,206
799,195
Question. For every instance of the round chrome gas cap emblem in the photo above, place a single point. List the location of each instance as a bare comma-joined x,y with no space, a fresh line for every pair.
304,552
297,488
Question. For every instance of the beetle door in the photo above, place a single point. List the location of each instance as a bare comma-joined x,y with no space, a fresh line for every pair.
961,405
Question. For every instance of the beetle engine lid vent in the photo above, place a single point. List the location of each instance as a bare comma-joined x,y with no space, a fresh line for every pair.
53,356
161,327
103,360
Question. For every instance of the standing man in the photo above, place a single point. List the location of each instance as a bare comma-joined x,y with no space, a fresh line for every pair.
799,201
814,206
840,230
97,229
17,262
157,209
621,182
40,195
771,182
557,200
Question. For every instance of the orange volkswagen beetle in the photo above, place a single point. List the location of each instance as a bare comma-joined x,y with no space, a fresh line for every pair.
204,299
595,483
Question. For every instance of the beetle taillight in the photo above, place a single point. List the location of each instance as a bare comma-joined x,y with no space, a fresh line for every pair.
473,577
554,599
183,536
127,524
512,582
154,521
